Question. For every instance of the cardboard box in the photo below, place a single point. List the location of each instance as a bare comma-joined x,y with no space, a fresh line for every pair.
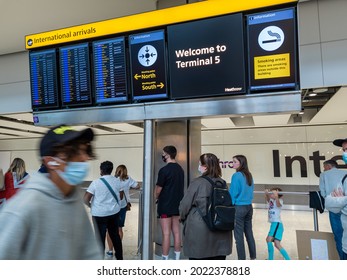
316,245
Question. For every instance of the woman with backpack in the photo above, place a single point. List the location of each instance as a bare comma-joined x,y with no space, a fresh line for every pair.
199,242
241,191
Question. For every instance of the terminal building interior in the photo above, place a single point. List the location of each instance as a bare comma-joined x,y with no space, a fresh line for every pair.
285,148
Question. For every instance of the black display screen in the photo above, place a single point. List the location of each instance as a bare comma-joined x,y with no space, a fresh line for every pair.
148,66
75,75
206,57
110,80
43,79
272,48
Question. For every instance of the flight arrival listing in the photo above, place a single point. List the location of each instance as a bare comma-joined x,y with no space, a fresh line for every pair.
75,75
110,70
43,79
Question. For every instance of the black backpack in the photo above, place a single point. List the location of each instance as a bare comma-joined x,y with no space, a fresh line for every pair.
220,212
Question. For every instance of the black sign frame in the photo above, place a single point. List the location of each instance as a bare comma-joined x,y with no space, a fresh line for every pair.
148,66
206,57
273,51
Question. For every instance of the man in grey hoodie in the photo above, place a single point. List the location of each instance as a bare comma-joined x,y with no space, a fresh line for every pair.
336,201
46,220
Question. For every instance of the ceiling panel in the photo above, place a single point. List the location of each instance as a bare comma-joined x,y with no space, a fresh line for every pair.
271,120
13,133
125,127
96,130
22,116
334,110
22,126
217,123
23,17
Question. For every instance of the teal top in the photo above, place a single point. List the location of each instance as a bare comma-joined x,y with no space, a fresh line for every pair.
241,193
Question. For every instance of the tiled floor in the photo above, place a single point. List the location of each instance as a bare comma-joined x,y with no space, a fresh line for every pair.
292,220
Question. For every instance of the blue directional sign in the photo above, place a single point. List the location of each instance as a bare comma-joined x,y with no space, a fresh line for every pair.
148,66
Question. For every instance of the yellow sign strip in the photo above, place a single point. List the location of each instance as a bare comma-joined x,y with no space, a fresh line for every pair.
158,18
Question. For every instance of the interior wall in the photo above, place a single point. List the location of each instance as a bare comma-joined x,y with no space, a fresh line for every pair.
120,149
267,150
323,43
270,150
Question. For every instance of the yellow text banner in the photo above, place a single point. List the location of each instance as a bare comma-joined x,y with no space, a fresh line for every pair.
156,18
272,66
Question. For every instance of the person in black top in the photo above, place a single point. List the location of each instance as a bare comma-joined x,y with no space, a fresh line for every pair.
169,192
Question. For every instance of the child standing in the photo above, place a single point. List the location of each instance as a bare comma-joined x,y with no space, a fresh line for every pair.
275,234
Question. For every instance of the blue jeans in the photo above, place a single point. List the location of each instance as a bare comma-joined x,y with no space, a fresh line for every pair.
336,227
243,226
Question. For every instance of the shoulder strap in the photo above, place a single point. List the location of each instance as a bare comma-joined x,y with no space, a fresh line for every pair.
109,188
208,179
213,182
343,179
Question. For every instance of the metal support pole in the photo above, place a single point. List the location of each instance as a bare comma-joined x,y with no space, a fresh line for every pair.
148,190
315,219
140,225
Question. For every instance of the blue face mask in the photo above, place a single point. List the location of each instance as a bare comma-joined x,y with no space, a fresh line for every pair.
344,157
74,173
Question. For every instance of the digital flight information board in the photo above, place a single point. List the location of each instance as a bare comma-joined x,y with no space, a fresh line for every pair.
148,66
75,75
272,49
206,57
43,79
110,79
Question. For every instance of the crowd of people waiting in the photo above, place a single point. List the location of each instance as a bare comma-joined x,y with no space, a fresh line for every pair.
46,219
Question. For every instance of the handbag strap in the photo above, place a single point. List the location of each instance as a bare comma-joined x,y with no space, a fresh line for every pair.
109,188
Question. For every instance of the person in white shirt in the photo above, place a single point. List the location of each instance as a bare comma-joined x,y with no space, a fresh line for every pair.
275,234
126,183
104,196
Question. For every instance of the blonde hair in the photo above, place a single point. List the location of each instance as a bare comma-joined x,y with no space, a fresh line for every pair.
121,172
17,166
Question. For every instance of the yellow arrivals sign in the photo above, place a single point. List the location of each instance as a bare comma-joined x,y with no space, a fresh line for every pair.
194,11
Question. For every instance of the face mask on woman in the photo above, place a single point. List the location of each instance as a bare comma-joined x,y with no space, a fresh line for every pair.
201,169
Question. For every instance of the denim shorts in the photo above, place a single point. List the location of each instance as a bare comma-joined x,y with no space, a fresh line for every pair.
122,214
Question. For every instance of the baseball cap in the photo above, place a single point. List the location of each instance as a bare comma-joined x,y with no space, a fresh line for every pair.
338,142
59,135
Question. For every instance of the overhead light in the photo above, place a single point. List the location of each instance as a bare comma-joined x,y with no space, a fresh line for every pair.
313,94
320,90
